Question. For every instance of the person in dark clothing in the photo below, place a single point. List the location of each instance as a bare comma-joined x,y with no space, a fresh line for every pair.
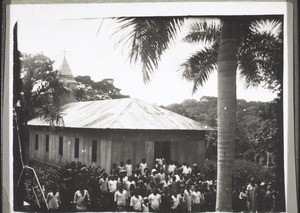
195,170
166,200
208,199
262,197
114,170
268,199
243,196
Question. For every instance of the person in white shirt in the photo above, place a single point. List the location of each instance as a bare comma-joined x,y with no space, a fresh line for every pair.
163,165
103,182
189,169
136,201
183,168
129,182
53,199
177,177
186,169
175,198
143,166
159,161
112,188
112,184
122,176
121,167
145,207
128,168
188,197
120,198
81,199
197,200
154,201
171,168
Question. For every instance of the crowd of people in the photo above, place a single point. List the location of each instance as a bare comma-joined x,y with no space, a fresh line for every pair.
171,187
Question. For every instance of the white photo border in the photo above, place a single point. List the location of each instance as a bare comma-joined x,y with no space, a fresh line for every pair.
26,11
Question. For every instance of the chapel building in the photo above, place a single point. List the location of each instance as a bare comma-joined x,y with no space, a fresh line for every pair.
104,132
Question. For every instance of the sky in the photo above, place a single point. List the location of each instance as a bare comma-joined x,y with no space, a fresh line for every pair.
89,45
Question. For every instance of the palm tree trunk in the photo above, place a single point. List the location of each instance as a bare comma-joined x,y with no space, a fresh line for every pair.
227,64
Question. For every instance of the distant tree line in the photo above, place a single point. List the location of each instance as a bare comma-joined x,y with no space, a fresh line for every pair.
88,90
257,136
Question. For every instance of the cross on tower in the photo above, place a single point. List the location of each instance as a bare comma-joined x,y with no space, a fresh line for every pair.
64,51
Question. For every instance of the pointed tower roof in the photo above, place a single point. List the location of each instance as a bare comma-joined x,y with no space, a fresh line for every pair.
65,72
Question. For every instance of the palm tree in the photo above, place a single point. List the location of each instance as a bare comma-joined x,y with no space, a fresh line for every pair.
232,44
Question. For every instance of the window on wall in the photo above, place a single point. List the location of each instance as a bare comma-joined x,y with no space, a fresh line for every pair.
60,146
76,154
94,151
36,141
47,143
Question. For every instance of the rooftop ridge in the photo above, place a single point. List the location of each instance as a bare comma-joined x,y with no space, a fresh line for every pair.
124,110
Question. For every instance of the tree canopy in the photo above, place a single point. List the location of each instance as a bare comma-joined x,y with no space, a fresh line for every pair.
88,90
256,130
39,84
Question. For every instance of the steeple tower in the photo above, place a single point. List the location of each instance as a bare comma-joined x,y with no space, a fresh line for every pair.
65,75
65,72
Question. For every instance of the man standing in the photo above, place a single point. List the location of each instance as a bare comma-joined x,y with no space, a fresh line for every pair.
154,201
136,201
120,198
53,199
143,166
103,182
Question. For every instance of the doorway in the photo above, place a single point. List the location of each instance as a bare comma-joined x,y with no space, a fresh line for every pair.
162,149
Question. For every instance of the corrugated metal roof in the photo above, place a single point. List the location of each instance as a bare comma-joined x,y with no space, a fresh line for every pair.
124,113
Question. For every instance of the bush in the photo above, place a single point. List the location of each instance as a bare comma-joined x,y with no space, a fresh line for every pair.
76,174
48,177
67,179
210,169
243,171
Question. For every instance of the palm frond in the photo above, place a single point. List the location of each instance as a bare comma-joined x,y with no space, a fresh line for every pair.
260,45
203,31
51,114
260,59
148,39
267,25
199,66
